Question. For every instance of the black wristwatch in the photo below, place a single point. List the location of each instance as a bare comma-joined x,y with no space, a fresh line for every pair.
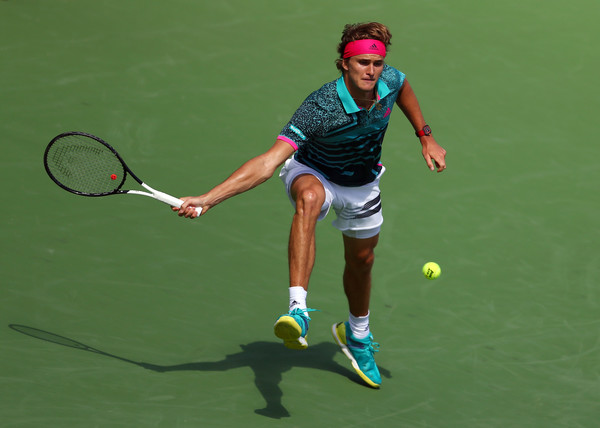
425,131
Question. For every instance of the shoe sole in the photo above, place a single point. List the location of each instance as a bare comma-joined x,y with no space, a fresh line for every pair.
338,329
287,329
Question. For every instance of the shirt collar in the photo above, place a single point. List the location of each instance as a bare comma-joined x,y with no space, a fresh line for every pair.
348,102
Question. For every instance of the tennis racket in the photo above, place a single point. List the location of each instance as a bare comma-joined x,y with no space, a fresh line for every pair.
88,166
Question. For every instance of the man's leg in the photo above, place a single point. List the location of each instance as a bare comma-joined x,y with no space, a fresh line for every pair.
309,196
354,336
360,256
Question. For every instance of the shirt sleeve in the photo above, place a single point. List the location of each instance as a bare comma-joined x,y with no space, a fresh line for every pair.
304,124
393,77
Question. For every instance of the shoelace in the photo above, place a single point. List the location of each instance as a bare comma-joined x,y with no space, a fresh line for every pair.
371,347
301,312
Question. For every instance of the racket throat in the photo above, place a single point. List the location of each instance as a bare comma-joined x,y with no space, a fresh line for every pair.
158,195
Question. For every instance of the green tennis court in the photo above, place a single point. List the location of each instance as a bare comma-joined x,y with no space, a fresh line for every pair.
180,313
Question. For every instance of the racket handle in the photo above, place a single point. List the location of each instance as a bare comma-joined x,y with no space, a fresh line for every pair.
168,199
173,201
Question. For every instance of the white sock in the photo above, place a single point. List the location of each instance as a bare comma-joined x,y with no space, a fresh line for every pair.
298,298
359,326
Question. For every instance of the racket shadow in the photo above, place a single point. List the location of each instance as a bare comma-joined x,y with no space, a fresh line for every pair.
268,361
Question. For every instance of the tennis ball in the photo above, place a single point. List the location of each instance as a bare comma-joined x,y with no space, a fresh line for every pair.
431,270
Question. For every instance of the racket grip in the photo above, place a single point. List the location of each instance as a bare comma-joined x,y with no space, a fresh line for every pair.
171,200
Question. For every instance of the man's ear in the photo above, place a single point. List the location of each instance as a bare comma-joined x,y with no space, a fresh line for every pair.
345,64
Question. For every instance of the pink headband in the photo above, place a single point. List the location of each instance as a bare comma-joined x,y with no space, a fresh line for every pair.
365,46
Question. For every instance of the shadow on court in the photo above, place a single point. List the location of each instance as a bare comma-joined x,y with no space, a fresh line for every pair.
268,361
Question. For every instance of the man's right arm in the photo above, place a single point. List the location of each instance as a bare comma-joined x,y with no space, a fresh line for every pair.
433,153
252,173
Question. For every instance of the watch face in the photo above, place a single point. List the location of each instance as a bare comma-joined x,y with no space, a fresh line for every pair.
427,130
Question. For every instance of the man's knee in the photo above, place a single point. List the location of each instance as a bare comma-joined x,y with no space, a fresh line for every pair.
359,254
309,202
309,196
361,260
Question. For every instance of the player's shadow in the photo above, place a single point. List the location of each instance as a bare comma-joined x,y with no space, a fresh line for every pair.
268,361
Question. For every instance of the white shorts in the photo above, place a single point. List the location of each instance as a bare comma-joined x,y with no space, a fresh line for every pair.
358,209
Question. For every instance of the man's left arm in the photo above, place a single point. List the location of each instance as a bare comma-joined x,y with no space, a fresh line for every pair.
433,153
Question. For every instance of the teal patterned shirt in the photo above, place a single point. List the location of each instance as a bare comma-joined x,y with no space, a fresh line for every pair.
339,139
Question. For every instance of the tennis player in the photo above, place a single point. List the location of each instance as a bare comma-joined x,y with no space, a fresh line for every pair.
330,151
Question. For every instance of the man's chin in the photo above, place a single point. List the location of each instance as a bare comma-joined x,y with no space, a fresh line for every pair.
368,85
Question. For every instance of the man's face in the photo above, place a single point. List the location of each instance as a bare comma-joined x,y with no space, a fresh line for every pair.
362,73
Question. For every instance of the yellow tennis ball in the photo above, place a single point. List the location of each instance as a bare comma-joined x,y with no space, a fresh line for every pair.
431,270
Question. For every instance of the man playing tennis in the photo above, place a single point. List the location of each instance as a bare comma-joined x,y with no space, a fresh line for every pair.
335,138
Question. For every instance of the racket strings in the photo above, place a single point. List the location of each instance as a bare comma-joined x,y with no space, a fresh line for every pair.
85,165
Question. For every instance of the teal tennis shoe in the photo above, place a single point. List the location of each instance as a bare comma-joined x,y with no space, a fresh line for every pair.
292,328
359,352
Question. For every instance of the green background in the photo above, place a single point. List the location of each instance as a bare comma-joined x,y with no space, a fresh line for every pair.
187,91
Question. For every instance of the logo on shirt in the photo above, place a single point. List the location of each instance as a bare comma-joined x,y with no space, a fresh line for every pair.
298,132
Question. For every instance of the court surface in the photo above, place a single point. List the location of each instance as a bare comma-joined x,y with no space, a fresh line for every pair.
181,312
